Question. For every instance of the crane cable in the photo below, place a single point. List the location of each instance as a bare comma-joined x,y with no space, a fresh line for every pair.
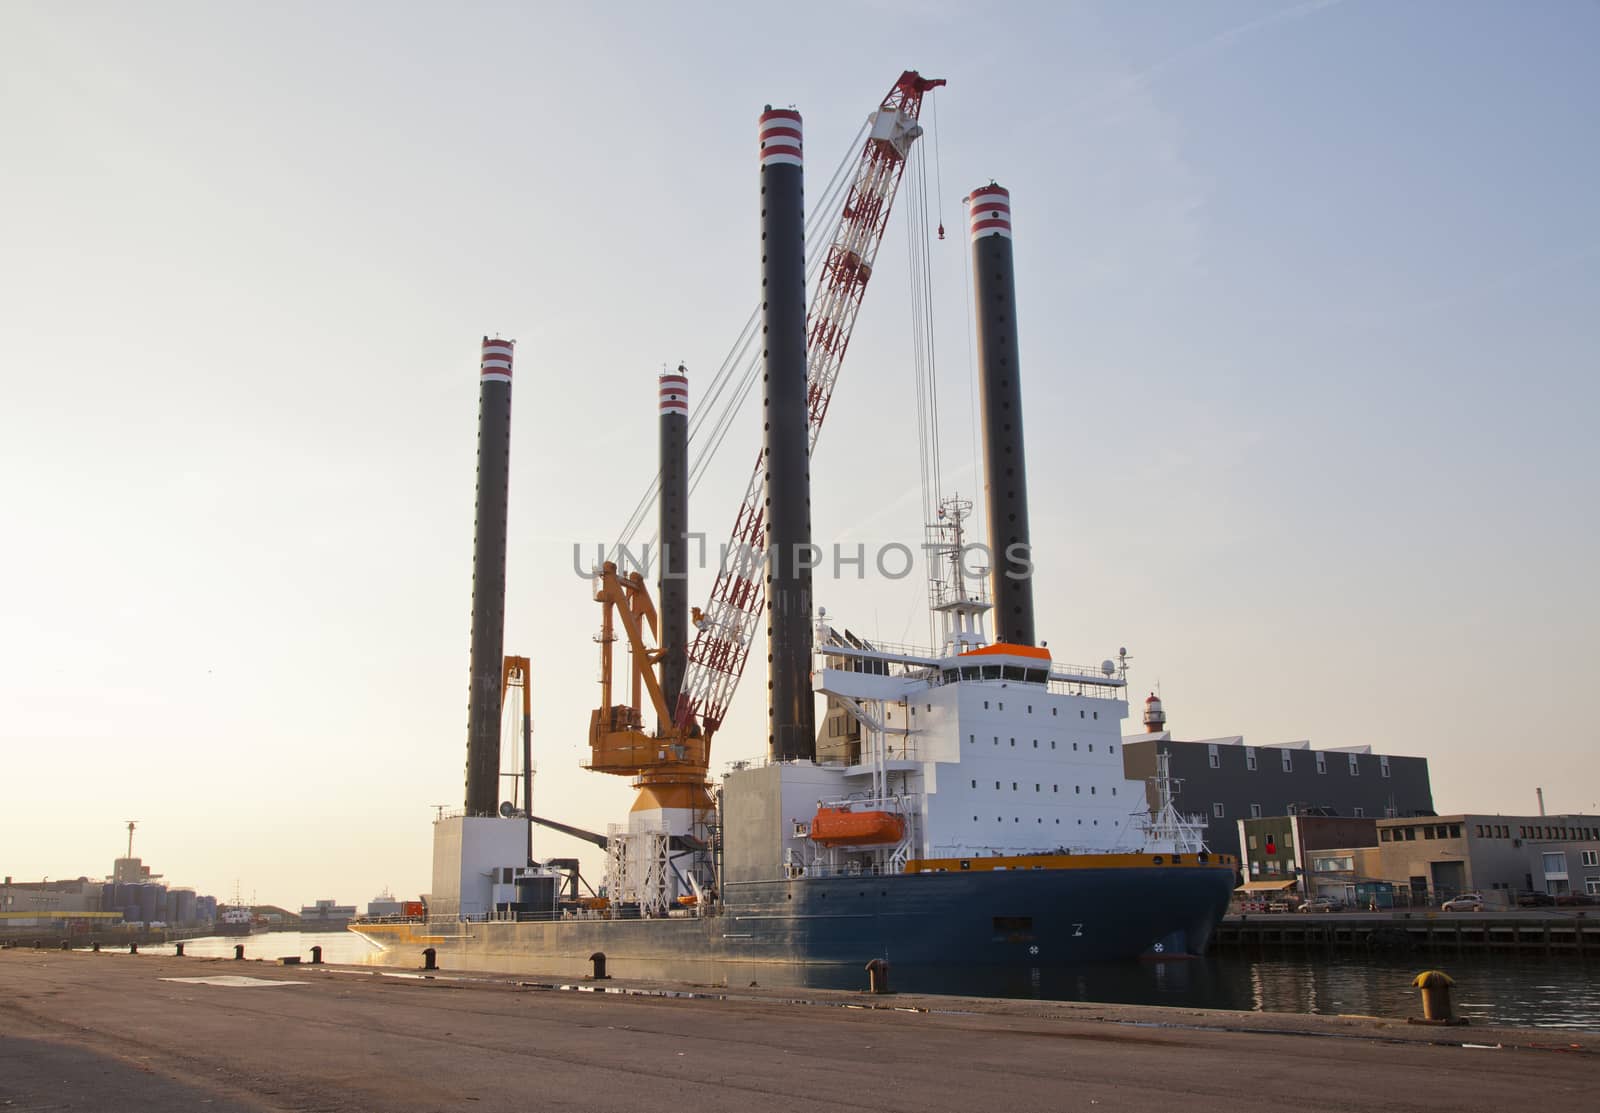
824,220
925,366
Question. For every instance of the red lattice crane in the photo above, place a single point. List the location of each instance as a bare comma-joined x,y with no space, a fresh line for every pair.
728,624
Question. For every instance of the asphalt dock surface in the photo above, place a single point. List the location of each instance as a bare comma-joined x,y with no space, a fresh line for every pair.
82,1031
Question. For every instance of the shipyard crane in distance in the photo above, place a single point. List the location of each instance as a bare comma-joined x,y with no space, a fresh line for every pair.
727,625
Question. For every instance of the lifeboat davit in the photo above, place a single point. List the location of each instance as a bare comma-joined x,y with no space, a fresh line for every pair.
843,827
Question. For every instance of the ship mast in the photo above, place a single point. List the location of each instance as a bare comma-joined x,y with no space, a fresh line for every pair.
959,607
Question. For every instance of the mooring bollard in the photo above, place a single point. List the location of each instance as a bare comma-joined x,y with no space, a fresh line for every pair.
38,944
133,948
599,961
1435,986
238,951
877,976
95,946
316,956
430,959
180,950
65,945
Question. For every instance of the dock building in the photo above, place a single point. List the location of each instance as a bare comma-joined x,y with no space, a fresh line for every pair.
1223,780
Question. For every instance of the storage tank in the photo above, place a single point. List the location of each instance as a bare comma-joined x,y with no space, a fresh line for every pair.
152,902
185,906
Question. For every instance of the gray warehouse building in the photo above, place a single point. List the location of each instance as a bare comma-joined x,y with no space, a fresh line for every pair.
1223,780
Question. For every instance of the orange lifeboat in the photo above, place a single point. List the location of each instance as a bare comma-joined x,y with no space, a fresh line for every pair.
843,827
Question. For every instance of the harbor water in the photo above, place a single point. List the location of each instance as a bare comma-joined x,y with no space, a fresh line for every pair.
1545,993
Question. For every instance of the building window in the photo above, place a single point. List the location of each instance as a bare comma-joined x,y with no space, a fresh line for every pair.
1322,763
1214,758
1250,758
1591,857
1384,835
1288,762
1355,766
1383,764
1255,811
1361,813
1591,885
1455,830
1477,830
1252,841
1555,864
1411,834
1217,810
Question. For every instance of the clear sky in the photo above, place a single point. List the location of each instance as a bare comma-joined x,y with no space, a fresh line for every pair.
1309,298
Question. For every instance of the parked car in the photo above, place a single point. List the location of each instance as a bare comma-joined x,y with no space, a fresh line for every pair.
1321,904
1466,902
1534,900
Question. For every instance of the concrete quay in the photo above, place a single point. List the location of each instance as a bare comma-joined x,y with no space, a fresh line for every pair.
114,1031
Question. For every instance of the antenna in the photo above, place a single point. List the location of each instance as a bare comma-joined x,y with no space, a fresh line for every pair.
132,823
438,811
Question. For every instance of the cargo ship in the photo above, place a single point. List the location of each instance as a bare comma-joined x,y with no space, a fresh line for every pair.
960,803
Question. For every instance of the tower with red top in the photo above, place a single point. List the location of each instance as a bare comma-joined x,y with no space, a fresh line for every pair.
785,452
1000,390
489,577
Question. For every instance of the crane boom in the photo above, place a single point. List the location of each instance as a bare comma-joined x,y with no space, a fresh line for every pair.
727,626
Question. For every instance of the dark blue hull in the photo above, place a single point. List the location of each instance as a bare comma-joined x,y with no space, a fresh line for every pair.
1022,918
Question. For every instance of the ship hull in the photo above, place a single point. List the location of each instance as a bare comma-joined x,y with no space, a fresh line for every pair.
998,918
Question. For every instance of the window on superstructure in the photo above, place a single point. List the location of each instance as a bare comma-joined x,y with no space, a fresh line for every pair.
1013,743
1052,743
1036,788
972,738
1091,747
1113,790
1111,749
1055,788
986,705
1013,786
1091,790
1030,709
1052,711
1080,713
1077,790
1383,835
1036,743
1074,747
974,784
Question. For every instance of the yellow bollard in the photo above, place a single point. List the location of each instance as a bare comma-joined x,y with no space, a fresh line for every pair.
1435,986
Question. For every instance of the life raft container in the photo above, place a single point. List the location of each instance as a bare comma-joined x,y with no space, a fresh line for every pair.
843,827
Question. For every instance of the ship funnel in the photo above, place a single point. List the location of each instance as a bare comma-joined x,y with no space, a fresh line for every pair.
673,572
489,578
1005,472
791,712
